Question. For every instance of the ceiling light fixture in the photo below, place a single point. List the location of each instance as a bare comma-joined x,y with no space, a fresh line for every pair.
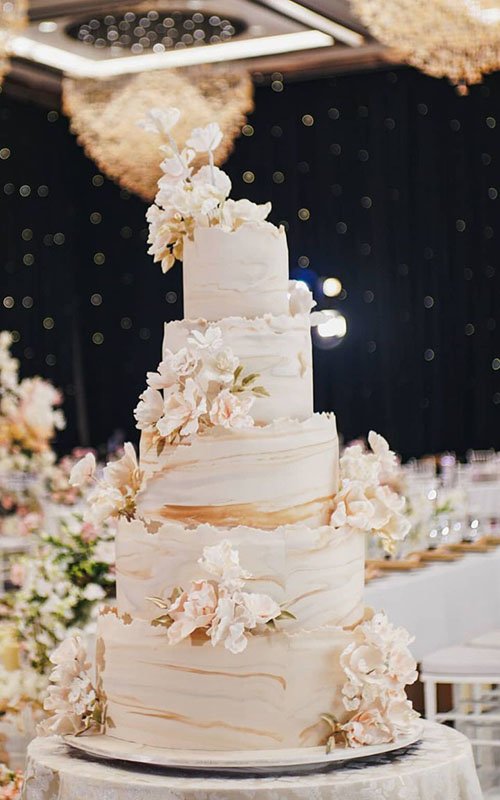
79,66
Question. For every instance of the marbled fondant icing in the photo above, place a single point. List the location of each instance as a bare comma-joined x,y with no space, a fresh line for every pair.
242,272
195,696
318,573
261,477
277,348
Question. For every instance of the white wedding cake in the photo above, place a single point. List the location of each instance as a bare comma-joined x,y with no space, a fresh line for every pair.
240,549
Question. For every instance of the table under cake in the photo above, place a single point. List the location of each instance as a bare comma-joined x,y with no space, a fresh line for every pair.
440,767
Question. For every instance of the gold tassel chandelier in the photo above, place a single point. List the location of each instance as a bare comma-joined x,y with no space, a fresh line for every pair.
13,18
454,39
104,115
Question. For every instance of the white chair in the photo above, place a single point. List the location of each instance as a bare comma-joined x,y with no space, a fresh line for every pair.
460,666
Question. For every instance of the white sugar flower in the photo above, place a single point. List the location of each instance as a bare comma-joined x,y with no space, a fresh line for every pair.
214,176
238,212
182,410
206,139
149,409
70,698
183,363
160,120
103,502
160,236
211,340
226,629
258,609
83,470
377,661
221,366
176,167
368,727
386,457
301,298
232,410
357,465
192,610
199,202
400,715
124,472
173,366
223,562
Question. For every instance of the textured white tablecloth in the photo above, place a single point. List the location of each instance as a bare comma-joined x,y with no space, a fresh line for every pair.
443,604
441,768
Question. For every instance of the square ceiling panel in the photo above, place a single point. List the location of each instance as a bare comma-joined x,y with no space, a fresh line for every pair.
99,41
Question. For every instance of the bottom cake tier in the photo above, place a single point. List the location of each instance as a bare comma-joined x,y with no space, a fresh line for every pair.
195,696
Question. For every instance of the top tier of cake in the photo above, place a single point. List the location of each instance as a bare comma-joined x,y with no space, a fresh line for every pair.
241,273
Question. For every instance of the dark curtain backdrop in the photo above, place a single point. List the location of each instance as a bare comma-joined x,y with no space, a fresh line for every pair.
388,181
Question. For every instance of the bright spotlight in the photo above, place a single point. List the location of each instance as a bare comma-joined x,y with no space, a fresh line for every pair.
47,26
333,327
332,287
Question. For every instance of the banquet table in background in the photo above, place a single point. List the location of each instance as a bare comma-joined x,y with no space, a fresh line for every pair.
442,604
440,768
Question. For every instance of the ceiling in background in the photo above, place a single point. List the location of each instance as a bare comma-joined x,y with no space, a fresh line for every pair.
90,39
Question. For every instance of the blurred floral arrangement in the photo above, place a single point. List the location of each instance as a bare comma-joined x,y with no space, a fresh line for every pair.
58,488
60,586
11,783
29,419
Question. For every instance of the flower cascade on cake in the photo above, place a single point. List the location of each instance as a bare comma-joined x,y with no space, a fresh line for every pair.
188,199
200,386
114,492
219,606
366,502
378,665
71,698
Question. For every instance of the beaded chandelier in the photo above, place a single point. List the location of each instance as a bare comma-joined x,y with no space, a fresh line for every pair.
104,116
456,39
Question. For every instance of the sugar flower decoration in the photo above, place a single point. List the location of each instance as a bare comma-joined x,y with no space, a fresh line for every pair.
71,698
300,298
201,386
378,665
113,494
187,198
218,606
365,501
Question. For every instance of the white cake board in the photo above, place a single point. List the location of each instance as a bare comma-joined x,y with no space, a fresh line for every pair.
268,762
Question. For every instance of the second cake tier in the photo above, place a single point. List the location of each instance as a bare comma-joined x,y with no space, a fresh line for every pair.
277,348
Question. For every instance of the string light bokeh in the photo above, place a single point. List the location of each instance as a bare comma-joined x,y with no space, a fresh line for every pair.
388,186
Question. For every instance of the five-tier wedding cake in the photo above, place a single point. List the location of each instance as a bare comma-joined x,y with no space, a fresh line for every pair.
239,622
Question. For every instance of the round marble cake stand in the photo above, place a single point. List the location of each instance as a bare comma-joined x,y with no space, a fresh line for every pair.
441,767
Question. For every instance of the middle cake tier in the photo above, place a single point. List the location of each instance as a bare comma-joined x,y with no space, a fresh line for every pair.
262,477
277,348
